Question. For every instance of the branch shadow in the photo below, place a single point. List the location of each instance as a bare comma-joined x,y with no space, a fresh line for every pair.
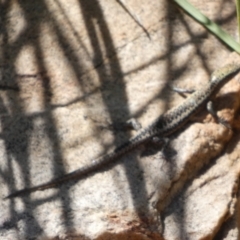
18,127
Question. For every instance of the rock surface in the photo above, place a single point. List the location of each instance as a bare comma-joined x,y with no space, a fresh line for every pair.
77,69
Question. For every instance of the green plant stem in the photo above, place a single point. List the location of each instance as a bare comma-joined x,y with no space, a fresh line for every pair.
210,25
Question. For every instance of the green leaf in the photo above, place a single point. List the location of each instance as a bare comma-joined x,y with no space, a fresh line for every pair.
210,25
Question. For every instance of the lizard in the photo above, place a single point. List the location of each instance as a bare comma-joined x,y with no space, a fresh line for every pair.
162,127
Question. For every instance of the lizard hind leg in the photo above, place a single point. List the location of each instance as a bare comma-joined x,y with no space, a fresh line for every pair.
163,142
158,144
181,91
